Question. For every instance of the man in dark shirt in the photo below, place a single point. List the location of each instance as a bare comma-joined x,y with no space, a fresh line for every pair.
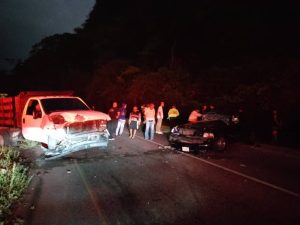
112,124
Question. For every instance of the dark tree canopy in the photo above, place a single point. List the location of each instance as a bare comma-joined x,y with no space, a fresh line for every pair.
229,53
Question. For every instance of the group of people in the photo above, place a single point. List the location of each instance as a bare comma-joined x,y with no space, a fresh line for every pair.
197,115
118,119
150,119
147,115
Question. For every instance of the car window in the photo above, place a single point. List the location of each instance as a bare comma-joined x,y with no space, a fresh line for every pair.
31,107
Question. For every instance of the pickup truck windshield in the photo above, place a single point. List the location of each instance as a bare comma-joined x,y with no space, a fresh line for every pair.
62,104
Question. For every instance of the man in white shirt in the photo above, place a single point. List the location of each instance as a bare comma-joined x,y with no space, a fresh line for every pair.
149,115
159,117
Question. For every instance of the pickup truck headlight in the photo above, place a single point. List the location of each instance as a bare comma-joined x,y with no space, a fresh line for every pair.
101,124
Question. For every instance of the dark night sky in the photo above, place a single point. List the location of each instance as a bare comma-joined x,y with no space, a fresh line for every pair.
25,22
247,26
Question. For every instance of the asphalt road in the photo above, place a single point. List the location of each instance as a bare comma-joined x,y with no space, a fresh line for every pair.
141,182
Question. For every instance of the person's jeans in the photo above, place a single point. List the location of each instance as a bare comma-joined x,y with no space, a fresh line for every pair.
112,126
149,129
120,127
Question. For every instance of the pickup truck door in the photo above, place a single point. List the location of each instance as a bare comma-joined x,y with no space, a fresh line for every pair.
31,122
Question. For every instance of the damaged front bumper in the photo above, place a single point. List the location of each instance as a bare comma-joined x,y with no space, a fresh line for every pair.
189,143
74,137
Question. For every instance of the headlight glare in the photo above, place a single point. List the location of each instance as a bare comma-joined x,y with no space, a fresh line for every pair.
208,135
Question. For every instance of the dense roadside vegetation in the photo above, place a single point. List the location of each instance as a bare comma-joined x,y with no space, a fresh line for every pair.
14,179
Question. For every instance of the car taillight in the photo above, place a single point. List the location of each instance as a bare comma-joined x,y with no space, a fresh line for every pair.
208,135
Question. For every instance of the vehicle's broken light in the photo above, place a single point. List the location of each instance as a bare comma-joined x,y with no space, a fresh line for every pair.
102,123
208,135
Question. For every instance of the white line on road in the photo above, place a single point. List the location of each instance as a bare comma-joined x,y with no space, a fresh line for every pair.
233,171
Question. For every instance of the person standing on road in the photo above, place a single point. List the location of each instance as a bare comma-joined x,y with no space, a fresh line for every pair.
194,116
143,124
134,121
159,117
149,115
172,116
121,120
113,112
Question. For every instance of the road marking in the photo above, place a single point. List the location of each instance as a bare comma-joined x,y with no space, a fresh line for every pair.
233,171
246,176
92,195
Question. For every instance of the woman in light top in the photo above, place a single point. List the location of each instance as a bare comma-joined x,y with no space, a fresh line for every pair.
134,121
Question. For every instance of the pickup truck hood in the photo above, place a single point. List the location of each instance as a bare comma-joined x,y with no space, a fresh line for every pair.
81,115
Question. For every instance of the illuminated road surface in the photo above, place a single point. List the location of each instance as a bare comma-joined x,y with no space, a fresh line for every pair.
140,182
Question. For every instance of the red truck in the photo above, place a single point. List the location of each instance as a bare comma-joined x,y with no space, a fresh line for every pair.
61,122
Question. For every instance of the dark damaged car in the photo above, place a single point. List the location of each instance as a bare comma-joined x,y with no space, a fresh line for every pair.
201,136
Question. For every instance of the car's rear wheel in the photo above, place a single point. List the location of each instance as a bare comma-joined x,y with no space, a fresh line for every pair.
220,144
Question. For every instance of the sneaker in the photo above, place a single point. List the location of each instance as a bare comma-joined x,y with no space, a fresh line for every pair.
159,132
111,139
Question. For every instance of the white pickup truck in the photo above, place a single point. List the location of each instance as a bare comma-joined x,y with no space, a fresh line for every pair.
61,122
